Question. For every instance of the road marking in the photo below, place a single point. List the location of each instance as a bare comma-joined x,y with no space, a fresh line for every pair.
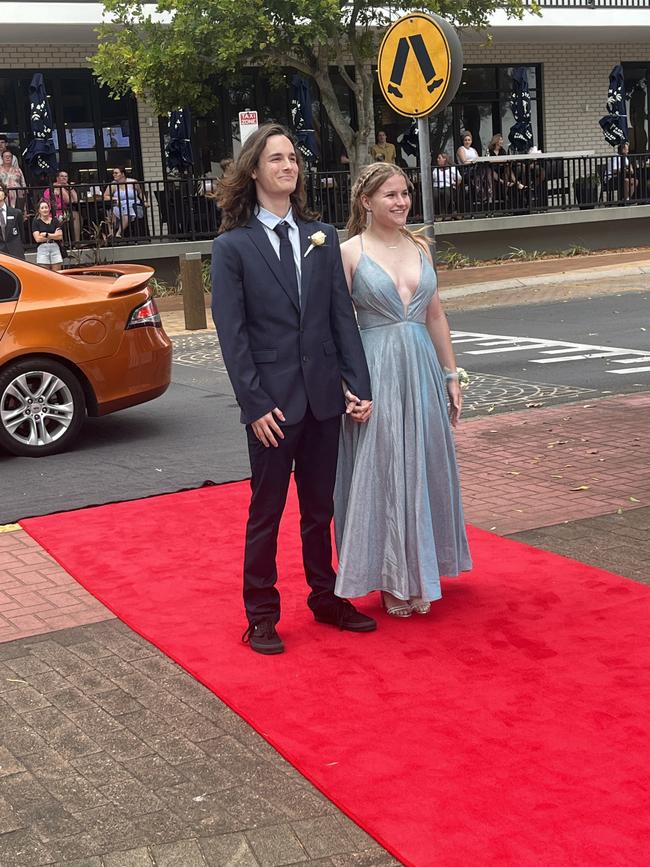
561,350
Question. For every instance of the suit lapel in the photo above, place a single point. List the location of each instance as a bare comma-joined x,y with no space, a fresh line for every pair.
261,241
306,263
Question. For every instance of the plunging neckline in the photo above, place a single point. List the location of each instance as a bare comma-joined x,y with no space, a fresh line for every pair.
405,307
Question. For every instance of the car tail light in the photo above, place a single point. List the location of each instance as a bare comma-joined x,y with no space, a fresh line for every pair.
145,315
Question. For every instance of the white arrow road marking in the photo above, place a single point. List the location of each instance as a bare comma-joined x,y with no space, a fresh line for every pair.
561,350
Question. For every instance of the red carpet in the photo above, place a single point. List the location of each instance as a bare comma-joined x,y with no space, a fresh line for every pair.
510,727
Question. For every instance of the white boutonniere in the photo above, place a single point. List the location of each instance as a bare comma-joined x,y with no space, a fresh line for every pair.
315,240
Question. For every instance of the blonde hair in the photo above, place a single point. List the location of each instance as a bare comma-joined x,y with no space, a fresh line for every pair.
371,178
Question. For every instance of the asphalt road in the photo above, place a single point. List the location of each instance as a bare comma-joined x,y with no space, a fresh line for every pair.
192,434
598,344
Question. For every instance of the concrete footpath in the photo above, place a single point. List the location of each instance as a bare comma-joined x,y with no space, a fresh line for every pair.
112,756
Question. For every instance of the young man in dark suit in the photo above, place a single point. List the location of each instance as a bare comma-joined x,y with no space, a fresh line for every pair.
11,227
289,340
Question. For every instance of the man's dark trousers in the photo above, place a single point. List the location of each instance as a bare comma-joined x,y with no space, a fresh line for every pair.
313,446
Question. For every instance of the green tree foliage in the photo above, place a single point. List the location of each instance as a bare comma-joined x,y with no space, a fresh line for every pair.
171,56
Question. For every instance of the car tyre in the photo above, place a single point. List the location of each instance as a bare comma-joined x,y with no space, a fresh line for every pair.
42,407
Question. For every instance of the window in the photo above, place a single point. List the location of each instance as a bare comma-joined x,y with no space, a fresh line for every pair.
92,131
482,107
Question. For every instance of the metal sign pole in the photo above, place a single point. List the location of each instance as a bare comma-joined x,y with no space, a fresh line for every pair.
426,183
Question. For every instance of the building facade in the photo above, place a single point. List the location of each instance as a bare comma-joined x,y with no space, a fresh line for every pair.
569,52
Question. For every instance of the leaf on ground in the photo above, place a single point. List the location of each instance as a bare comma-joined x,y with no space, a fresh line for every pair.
592,451
580,488
557,477
634,500
513,473
619,511
490,409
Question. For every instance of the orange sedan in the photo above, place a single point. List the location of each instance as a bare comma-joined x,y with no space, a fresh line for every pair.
86,341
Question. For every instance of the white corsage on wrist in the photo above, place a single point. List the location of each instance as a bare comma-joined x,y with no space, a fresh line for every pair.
315,240
459,375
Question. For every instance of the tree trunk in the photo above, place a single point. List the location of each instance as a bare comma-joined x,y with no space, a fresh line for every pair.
356,142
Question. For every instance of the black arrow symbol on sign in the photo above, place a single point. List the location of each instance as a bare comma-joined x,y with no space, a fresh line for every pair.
404,45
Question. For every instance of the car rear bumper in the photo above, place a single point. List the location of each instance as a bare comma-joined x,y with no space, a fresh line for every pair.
140,371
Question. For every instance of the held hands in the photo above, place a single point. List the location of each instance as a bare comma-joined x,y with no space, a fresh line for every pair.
359,410
455,401
266,429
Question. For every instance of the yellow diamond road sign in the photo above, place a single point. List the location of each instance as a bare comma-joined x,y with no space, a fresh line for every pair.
418,63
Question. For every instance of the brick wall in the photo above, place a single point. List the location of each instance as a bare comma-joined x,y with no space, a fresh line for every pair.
575,81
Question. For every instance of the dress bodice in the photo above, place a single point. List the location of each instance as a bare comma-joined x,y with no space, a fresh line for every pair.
377,300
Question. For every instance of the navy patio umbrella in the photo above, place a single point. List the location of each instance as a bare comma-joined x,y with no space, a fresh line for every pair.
614,124
521,132
302,120
40,153
179,148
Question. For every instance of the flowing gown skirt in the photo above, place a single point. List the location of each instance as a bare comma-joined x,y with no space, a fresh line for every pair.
398,513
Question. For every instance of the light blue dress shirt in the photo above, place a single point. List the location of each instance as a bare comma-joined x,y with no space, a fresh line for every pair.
270,221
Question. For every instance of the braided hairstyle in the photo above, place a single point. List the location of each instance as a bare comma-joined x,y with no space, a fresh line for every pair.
371,178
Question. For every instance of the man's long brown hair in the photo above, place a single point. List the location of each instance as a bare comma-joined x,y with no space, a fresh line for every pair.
236,192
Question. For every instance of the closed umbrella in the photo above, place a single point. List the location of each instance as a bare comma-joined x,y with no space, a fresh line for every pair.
521,132
614,124
179,148
302,120
40,153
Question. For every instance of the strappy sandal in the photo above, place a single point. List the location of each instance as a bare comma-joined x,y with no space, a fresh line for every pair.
419,606
396,609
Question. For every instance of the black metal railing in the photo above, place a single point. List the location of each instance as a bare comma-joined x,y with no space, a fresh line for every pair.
505,187
96,219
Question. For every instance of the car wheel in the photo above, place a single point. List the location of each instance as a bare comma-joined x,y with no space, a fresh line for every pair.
42,407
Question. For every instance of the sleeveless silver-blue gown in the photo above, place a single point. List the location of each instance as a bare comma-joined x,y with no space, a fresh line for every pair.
398,513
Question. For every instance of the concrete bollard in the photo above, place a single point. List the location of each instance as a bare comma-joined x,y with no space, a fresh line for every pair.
193,295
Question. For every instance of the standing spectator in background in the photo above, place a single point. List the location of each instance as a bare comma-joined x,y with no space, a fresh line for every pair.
11,228
66,203
383,151
13,178
446,180
4,146
47,233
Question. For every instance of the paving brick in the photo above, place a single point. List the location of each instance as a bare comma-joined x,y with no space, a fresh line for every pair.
9,764
276,846
9,819
129,858
22,847
229,850
323,837
185,853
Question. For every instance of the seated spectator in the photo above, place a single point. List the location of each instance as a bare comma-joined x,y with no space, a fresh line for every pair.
4,146
47,232
127,199
13,178
383,151
502,175
66,203
466,153
620,170
446,180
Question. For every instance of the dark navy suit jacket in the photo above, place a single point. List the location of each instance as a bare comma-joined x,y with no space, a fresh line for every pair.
12,245
276,352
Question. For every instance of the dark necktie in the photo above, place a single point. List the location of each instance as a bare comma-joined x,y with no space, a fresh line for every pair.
286,259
